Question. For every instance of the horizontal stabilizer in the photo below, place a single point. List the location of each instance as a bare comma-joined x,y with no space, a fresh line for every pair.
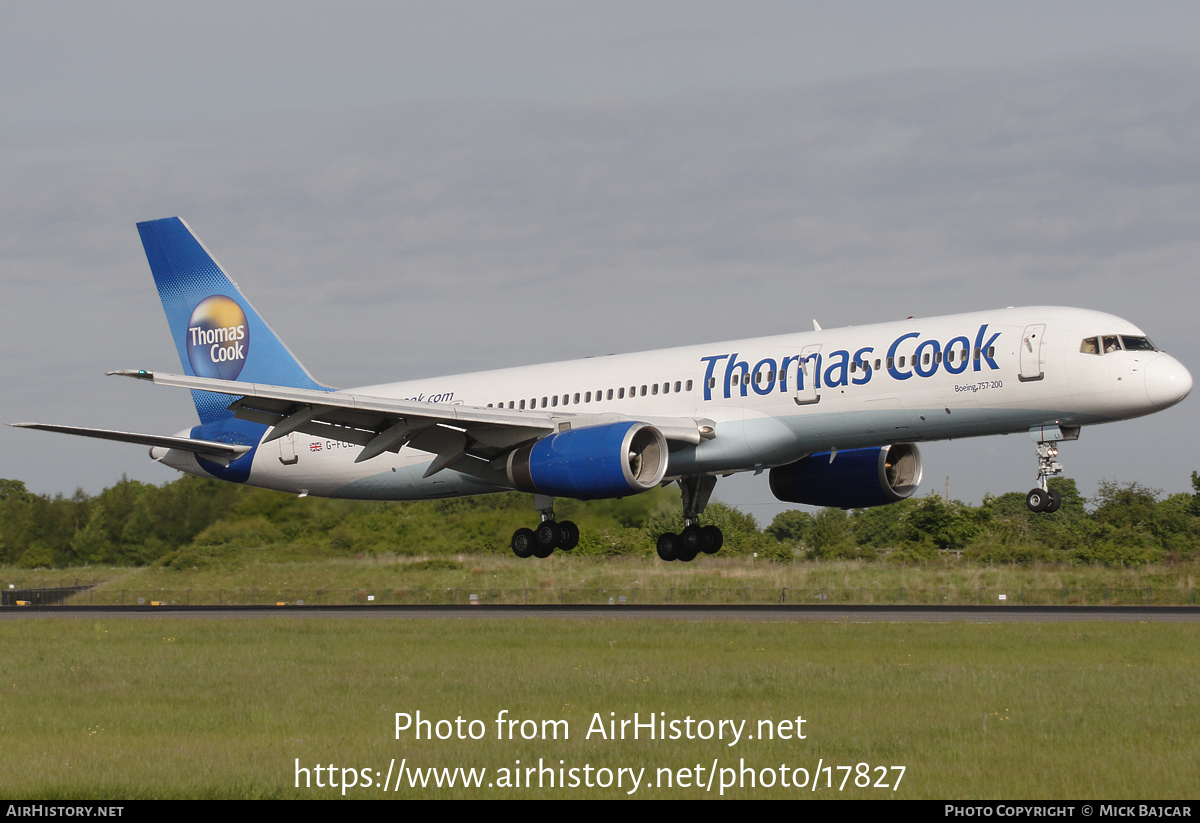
205,447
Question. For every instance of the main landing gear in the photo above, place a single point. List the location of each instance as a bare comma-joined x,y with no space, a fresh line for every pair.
1043,498
694,538
548,536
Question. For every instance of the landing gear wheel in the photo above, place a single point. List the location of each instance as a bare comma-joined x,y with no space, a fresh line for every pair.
570,536
714,540
523,541
1037,500
691,539
546,538
668,546
1055,501
548,534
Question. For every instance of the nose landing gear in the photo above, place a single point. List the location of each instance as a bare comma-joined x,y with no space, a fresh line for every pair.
1043,498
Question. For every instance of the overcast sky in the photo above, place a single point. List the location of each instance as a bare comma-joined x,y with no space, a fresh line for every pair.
407,190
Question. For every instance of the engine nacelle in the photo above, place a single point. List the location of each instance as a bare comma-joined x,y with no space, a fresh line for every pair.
614,460
856,479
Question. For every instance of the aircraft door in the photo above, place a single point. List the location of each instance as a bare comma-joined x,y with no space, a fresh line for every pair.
287,450
808,374
1031,353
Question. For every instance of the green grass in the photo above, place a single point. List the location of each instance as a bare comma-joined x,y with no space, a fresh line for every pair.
580,579
223,708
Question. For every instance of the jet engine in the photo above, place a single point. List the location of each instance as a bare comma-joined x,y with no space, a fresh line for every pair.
850,479
613,460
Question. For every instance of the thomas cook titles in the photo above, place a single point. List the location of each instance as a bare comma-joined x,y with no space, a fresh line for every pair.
217,338
904,360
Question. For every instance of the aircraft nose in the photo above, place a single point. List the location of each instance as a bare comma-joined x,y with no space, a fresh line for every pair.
1167,381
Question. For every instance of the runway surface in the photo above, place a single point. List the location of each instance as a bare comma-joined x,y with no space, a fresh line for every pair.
859,614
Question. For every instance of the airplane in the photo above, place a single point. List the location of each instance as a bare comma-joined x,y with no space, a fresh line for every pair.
833,415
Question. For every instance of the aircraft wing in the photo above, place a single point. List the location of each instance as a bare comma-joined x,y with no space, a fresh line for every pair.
454,433
219,452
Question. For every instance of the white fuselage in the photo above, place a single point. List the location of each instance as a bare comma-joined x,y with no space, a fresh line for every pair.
776,399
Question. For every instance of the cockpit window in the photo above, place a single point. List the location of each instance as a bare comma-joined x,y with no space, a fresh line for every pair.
1112,342
1137,343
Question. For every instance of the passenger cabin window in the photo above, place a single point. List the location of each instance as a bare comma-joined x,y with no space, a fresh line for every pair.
621,393
522,405
689,385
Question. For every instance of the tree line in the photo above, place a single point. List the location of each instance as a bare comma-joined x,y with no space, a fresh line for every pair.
1125,524
194,522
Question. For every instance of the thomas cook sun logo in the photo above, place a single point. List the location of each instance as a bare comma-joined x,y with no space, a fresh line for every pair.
218,338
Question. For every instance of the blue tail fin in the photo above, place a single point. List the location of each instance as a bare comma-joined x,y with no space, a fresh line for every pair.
216,330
